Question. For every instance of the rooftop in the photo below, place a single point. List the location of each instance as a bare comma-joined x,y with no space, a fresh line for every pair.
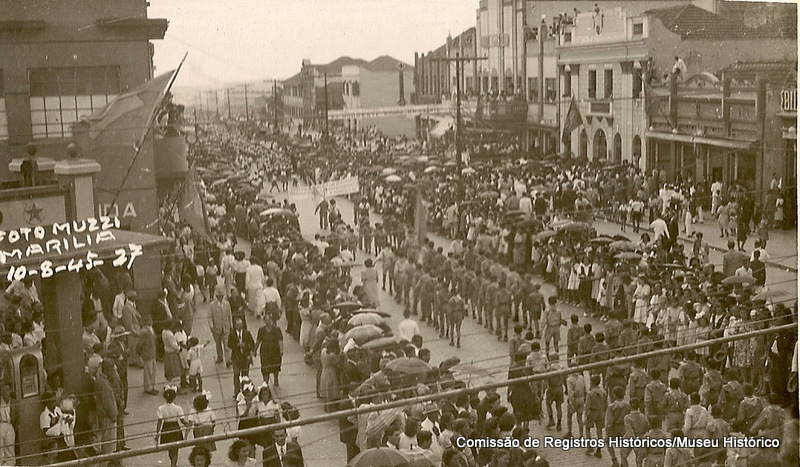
385,63
692,22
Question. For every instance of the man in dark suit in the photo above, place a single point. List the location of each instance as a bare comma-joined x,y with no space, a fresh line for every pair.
348,426
242,347
282,453
732,260
351,375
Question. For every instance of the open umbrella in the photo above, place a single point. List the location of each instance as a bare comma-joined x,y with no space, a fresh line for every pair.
450,164
364,319
527,223
516,213
408,366
601,240
380,343
276,212
361,334
738,280
544,235
431,169
385,457
382,314
575,227
218,182
560,223
622,245
389,171
346,306
488,194
767,294
468,171
629,256
265,196
393,178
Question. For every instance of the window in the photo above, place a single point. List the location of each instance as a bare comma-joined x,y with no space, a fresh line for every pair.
567,37
533,89
468,84
485,84
355,89
3,117
550,90
637,83
638,29
495,83
567,83
60,96
592,84
608,83
509,85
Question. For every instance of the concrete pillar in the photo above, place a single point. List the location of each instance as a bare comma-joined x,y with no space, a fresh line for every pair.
63,323
78,175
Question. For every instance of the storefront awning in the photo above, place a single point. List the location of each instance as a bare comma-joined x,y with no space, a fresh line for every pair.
719,142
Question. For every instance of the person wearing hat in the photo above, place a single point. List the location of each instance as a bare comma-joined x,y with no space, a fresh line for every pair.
220,322
106,407
130,320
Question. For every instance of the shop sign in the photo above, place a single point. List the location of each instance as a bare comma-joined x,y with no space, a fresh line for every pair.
68,246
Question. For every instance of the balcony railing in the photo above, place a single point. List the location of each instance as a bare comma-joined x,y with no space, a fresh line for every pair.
789,100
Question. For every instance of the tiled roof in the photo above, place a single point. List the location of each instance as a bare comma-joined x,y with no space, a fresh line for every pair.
385,63
336,65
296,79
692,22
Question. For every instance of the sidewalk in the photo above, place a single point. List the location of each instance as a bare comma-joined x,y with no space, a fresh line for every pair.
781,246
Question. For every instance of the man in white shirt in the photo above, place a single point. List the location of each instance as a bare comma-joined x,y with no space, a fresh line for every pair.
763,256
525,204
407,328
660,229
7,434
270,301
320,244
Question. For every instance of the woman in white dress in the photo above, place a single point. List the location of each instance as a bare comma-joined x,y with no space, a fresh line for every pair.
306,324
642,297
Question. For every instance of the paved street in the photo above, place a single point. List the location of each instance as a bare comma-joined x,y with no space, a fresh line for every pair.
481,354
483,359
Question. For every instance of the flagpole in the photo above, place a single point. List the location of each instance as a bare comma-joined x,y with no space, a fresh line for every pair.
147,129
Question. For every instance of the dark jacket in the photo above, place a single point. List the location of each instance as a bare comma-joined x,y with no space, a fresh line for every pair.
292,458
241,351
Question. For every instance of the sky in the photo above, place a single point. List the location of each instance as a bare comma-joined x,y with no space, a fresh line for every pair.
246,40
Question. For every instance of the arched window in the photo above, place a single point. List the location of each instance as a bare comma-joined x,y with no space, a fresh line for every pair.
617,148
599,145
584,144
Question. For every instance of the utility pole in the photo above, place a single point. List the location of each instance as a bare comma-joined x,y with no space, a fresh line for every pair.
457,126
228,95
458,114
275,103
246,107
216,102
325,78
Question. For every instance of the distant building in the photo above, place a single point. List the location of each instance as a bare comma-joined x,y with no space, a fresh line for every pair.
382,83
307,96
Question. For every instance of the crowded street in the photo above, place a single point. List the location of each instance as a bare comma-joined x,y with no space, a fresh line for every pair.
398,234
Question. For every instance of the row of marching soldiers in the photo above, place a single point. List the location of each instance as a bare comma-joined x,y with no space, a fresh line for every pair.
642,401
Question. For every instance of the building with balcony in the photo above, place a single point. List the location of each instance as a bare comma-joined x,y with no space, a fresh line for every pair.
61,60
315,89
735,128
382,83
610,60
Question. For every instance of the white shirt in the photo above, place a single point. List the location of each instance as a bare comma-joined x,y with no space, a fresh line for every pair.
254,278
119,303
270,294
407,329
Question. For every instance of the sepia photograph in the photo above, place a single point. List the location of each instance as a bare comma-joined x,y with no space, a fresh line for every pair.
489,233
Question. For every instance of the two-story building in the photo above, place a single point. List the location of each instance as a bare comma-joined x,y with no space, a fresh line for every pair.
381,83
610,61
315,89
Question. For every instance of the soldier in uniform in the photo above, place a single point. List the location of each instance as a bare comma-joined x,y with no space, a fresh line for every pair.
676,402
637,382
455,315
426,289
489,303
635,427
615,418
502,310
654,394
442,299
576,401
595,412
654,455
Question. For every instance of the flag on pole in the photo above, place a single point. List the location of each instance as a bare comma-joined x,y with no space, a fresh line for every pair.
190,205
572,121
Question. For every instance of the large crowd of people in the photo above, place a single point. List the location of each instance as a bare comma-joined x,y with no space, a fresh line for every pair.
513,226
